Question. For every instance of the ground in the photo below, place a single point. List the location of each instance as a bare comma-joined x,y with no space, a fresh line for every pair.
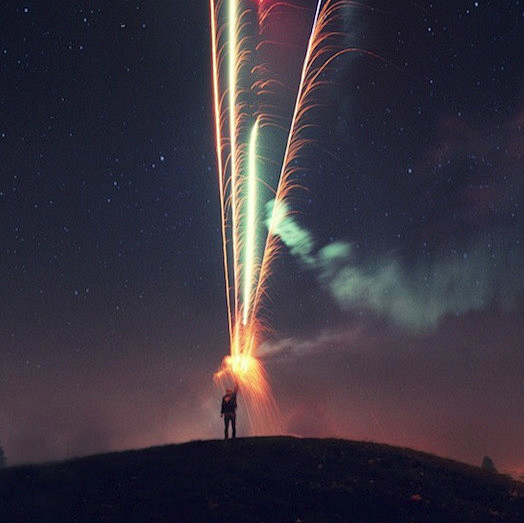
271,479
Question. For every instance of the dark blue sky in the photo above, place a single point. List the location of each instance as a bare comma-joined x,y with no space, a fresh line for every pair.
112,311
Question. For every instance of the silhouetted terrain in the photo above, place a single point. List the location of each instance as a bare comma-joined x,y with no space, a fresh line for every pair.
277,479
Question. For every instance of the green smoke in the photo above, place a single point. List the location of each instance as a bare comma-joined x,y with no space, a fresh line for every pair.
298,240
416,298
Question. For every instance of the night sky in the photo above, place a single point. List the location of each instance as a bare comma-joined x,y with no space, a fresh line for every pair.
408,331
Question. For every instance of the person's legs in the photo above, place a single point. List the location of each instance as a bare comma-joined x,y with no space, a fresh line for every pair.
234,426
226,426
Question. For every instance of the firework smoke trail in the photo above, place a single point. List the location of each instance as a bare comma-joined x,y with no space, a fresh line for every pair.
237,156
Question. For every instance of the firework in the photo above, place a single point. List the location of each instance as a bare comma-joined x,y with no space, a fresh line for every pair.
239,84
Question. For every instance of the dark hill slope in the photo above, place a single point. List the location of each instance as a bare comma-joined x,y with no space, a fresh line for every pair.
279,479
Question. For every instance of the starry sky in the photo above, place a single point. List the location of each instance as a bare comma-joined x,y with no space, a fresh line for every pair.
400,320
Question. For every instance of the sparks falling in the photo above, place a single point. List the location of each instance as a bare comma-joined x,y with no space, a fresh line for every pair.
239,82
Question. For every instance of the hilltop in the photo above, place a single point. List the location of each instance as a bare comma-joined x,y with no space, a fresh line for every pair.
270,479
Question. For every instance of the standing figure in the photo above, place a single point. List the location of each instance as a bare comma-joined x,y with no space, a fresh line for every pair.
229,411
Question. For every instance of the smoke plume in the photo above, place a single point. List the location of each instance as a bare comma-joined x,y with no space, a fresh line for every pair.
416,297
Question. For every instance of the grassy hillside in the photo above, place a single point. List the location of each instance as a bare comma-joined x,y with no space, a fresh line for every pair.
280,479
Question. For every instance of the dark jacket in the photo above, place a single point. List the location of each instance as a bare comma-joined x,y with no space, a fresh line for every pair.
229,404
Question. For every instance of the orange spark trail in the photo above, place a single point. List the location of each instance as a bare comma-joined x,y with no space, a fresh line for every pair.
319,55
271,245
232,86
218,136
241,365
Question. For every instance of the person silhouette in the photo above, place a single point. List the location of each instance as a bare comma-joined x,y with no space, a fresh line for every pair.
229,411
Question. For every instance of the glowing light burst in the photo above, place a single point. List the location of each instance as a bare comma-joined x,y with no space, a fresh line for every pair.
240,118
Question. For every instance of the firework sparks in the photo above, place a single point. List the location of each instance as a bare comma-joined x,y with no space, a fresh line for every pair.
251,224
236,32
